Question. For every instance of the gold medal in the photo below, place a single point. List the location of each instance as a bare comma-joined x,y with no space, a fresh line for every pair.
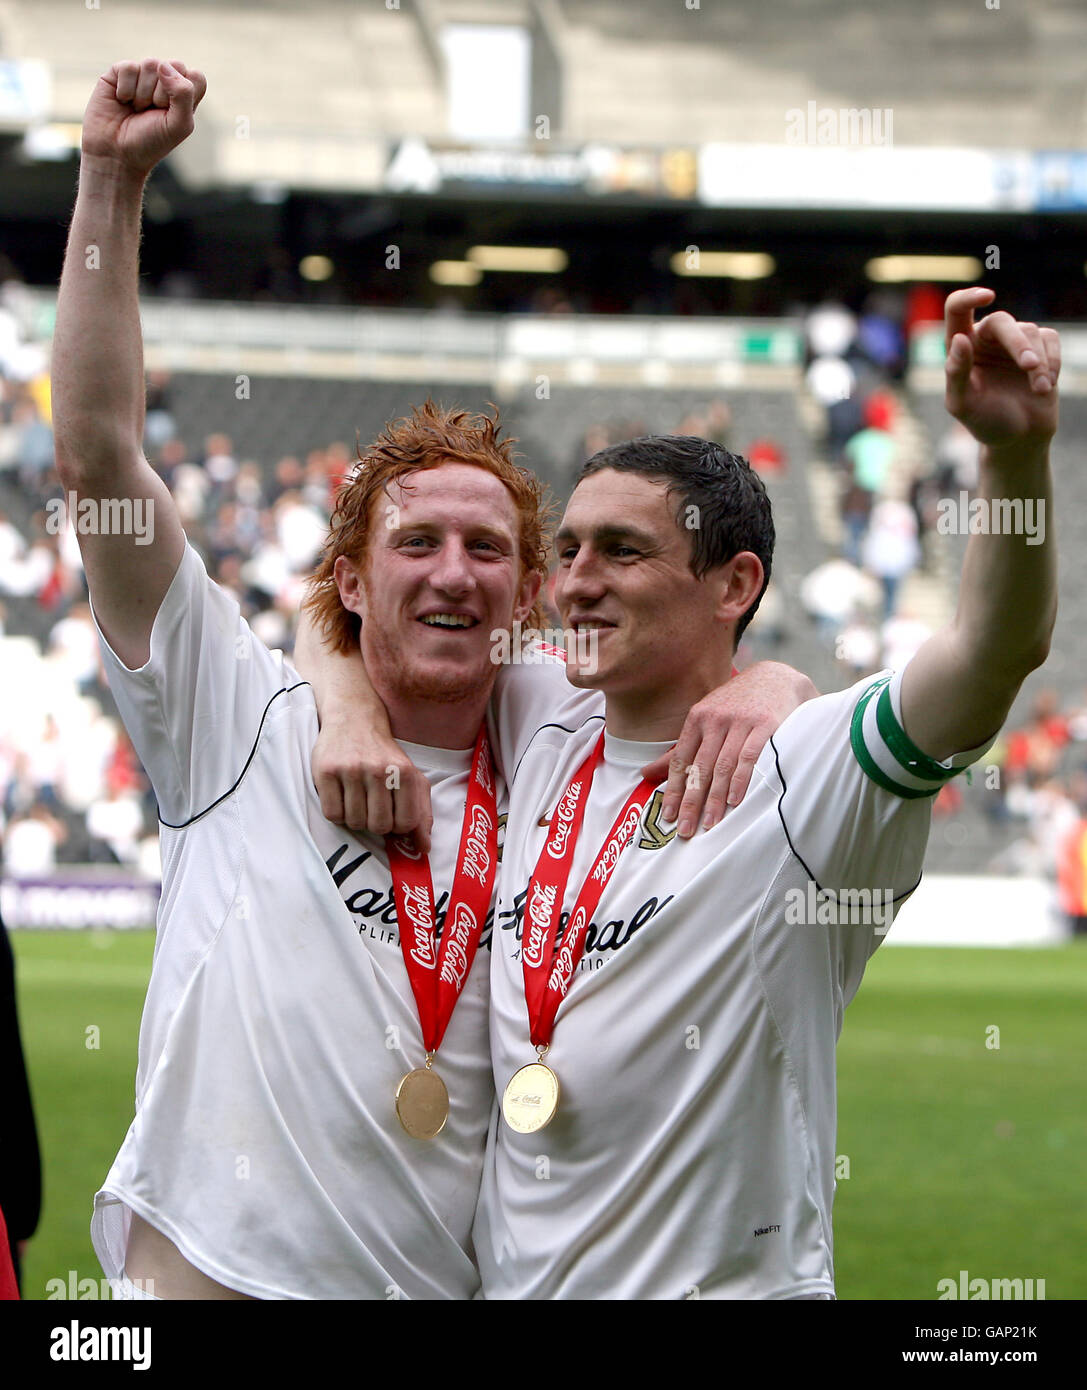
422,1103
531,1098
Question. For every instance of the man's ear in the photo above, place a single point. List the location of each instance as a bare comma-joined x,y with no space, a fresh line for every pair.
743,585
349,583
526,597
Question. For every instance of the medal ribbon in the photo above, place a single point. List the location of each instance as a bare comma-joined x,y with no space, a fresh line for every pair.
437,974
548,971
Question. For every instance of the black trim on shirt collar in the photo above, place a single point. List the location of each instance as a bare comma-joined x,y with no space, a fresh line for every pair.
565,728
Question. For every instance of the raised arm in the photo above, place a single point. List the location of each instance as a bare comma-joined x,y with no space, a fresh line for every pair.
1002,384
128,532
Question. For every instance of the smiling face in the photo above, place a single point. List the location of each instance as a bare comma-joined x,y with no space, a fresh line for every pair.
664,637
442,572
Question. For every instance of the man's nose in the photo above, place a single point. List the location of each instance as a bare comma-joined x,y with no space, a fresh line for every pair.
452,572
582,580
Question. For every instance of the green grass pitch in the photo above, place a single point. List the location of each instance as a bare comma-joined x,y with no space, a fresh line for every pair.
953,1154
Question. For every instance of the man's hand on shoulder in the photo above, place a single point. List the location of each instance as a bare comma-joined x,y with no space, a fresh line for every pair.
710,767
364,779
367,782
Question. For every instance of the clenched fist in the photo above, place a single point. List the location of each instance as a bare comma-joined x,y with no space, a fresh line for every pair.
140,111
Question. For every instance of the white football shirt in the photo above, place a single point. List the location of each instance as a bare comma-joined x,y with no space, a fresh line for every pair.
692,1154
279,1018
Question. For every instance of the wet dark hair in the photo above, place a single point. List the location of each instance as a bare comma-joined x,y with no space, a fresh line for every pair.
732,508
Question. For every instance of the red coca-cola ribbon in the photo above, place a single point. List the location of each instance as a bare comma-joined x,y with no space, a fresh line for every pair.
438,972
549,965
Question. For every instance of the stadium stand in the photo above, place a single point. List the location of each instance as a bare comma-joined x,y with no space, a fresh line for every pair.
363,76
287,417
718,72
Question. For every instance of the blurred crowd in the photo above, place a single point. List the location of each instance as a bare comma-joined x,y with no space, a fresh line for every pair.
1039,782
713,420
887,493
886,488
72,789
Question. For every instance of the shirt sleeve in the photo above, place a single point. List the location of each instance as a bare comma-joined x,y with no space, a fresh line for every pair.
856,792
855,802
194,709
532,693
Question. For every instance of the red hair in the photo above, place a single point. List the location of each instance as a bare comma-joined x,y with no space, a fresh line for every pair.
428,438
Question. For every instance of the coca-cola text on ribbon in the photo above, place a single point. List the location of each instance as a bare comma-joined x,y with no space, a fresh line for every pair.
477,857
455,950
562,821
417,911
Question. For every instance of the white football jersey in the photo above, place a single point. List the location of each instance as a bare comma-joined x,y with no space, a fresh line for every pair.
692,1153
279,1018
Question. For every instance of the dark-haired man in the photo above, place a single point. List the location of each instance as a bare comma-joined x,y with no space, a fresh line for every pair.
668,1106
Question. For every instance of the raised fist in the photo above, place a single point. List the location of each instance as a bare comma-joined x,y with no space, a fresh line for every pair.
140,111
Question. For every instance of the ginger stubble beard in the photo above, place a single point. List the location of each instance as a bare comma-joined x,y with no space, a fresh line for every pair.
393,674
